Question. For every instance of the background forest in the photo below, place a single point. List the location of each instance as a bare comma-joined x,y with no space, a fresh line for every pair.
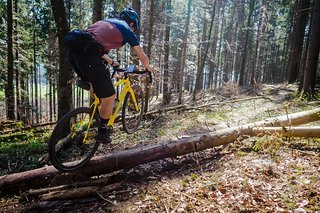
194,45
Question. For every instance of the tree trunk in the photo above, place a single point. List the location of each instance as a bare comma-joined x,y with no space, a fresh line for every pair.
149,48
166,71
239,37
303,64
301,131
10,71
229,47
35,79
184,52
97,10
313,51
136,156
199,77
256,72
300,23
65,73
200,56
245,46
213,66
17,77
219,72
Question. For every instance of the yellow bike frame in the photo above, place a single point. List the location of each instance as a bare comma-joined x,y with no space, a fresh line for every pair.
96,103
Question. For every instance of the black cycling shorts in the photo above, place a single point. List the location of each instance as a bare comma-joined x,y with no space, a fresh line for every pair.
96,72
85,56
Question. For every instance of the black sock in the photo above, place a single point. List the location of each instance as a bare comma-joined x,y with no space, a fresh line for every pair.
104,123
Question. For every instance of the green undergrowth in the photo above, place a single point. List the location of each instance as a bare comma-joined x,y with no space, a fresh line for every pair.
18,157
21,150
17,137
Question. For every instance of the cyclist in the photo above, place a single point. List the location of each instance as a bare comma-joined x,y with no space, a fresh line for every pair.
88,48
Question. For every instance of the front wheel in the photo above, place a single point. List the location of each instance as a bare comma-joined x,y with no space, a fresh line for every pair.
131,117
72,142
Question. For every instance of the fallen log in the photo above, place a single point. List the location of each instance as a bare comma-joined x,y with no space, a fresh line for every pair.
77,193
37,192
140,155
301,131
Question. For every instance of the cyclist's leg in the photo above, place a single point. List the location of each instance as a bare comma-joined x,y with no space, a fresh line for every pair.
107,106
104,89
99,76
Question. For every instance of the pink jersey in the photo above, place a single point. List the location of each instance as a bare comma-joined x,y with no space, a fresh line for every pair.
112,34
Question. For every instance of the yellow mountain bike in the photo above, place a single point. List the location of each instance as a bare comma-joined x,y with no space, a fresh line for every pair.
72,142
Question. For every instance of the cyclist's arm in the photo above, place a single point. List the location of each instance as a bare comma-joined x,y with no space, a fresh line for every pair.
143,58
110,61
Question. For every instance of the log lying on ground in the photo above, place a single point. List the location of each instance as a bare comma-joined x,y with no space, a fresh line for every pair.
133,157
300,131
81,192
95,182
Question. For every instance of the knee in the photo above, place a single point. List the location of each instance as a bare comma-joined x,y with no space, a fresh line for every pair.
107,99
112,97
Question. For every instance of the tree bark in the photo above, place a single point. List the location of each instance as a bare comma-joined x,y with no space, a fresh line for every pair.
65,73
17,77
238,37
307,131
10,71
242,78
199,76
229,47
35,79
97,10
166,71
184,52
313,51
81,192
262,25
220,72
149,48
140,155
300,23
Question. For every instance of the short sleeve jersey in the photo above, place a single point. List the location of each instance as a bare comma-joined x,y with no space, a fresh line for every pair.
113,33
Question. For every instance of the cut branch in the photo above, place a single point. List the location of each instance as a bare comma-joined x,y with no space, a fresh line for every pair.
78,193
37,192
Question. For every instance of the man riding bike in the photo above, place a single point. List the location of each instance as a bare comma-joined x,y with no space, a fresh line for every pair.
86,53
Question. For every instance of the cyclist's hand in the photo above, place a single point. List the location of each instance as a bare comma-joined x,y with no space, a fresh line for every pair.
115,64
150,69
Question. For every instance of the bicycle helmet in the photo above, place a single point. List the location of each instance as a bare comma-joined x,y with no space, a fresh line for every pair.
129,15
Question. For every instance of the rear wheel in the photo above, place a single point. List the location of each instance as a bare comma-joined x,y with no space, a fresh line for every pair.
72,142
131,117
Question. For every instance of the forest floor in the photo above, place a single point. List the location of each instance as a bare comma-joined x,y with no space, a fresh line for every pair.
269,173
